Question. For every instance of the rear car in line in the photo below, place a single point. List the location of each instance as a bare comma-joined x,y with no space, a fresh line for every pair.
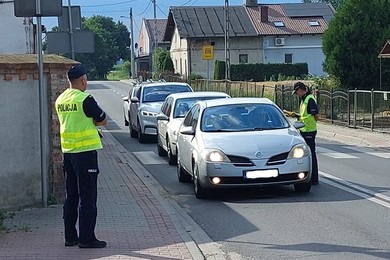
172,113
146,104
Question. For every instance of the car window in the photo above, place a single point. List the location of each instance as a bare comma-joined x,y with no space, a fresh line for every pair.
169,106
134,92
188,119
244,117
184,104
138,94
164,107
159,93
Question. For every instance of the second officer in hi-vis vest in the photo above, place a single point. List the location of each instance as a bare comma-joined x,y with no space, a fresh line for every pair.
79,114
308,114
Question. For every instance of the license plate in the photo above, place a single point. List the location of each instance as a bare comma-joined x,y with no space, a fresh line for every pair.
262,174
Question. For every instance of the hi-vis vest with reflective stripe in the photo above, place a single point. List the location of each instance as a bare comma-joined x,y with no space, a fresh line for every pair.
78,132
306,118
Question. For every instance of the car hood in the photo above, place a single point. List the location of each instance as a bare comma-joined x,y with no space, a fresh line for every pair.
151,106
248,144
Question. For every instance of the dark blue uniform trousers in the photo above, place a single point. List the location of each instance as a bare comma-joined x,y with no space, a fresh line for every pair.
310,138
81,172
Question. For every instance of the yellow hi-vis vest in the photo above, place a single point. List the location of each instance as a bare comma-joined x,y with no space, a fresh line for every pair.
306,118
78,132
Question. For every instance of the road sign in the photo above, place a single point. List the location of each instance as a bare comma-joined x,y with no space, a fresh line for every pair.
27,8
59,42
63,20
208,52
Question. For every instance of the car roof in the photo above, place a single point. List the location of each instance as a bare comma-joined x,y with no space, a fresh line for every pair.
232,101
198,94
156,84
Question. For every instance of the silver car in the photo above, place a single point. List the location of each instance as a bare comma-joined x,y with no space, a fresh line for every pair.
172,113
238,142
145,106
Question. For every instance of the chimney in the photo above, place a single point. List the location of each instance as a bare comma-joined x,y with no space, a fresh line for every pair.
264,14
250,3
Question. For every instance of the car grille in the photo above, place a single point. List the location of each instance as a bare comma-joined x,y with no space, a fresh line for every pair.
240,161
280,179
278,159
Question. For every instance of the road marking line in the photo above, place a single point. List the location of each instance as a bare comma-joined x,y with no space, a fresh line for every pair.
334,154
384,155
355,189
149,157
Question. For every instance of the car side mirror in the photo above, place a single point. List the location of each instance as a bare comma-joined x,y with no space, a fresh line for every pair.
162,117
126,99
134,100
298,124
188,130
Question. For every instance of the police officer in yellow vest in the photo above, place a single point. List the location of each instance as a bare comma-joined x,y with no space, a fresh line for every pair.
79,114
308,114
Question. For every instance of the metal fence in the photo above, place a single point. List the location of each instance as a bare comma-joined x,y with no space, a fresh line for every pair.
353,108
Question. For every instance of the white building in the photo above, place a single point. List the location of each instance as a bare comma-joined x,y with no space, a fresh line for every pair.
258,33
17,32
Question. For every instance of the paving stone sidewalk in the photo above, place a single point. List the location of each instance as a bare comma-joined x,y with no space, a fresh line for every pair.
133,218
354,136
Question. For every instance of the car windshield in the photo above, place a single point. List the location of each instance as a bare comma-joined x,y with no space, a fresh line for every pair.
159,93
184,104
242,117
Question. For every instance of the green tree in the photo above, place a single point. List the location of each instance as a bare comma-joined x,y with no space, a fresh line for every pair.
353,41
162,61
335,3
111,41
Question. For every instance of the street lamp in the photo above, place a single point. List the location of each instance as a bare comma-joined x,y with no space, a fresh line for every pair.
133,72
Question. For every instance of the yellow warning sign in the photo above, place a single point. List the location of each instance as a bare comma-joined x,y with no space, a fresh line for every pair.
208,52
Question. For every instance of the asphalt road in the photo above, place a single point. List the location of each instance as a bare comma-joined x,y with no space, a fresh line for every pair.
347,216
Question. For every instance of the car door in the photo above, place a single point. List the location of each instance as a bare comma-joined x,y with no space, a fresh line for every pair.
134,107
162,124
186,148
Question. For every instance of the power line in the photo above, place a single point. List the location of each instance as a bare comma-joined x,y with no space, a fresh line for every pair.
162,11
146,9
118,3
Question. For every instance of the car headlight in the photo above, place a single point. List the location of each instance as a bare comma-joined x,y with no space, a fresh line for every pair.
299,151
147,113
213,155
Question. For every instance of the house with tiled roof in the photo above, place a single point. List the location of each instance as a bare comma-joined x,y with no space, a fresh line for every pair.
150,30
292,33
18,32
258,33
190,28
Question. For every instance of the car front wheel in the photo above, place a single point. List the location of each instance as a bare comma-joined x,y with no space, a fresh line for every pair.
133,132
160,149
200,192
141,136
182,175
172,160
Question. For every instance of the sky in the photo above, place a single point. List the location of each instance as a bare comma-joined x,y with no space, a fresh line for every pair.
141,9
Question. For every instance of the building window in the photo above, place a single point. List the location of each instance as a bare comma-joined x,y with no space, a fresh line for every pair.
279,24
243,58
314,23
288,58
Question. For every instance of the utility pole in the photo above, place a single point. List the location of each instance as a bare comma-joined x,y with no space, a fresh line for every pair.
43,112
154,35
71,31
227,48
133,70
155,25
